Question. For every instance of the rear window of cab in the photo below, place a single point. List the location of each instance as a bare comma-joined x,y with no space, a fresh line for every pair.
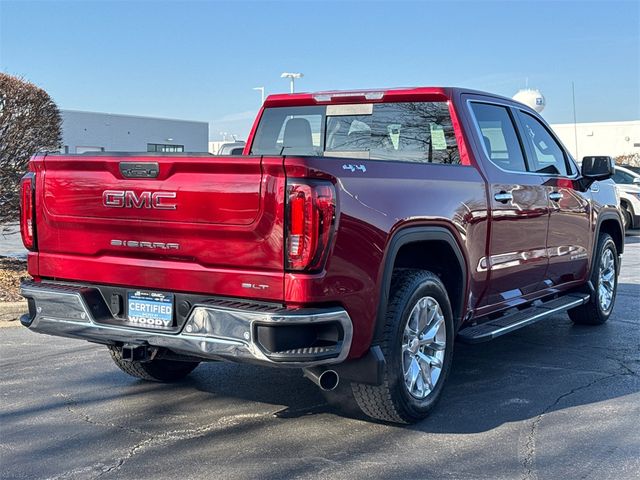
419,132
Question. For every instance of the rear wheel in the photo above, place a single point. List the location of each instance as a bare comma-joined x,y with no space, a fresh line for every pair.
417,346
604,279
156,370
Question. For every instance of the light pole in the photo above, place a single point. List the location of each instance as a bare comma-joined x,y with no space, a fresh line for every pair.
261,94
292,77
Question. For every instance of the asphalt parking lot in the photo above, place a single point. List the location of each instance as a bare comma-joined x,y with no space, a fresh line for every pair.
553,400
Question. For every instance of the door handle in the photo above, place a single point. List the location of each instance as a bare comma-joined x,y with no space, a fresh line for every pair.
555,196
503,197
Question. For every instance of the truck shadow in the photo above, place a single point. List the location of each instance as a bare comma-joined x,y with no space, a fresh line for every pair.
546,367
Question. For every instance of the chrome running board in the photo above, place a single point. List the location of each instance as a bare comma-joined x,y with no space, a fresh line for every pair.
491,329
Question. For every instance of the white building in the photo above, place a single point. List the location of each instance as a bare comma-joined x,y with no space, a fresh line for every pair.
108,132
600,138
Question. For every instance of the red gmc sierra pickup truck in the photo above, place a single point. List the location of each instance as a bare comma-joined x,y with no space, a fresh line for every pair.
359,234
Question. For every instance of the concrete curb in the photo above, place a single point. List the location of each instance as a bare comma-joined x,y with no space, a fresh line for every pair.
10,312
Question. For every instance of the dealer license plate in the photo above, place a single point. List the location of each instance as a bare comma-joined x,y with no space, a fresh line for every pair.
150,309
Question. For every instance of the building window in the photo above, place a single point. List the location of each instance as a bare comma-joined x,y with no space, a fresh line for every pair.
87,149
159,147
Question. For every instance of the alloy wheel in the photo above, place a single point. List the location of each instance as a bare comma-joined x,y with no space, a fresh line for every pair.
606,279
423,347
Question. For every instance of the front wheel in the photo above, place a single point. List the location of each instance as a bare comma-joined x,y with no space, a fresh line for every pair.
417,346
604,279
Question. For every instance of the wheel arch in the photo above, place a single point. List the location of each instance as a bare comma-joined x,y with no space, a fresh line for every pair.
624,202
406,244
628,207
609,222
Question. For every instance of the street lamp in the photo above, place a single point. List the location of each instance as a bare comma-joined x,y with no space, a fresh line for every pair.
261,93
292,77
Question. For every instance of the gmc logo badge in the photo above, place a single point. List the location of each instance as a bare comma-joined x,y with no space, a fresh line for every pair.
130,199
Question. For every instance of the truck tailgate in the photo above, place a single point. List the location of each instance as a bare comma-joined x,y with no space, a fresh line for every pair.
198,224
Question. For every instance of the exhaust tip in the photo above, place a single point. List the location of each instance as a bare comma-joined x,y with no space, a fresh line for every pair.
329,380
325,379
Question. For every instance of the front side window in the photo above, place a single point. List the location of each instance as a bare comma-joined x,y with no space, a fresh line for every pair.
419,132
546,155
499,136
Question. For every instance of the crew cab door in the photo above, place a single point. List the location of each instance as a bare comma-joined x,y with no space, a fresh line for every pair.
569,239
519,209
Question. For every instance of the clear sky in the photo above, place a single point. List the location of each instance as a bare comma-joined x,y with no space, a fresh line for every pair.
200,60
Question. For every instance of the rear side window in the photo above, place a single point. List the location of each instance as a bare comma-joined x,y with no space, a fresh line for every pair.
546,155
499,136
419,132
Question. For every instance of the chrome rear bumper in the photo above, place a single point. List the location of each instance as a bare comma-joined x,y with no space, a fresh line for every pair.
210,332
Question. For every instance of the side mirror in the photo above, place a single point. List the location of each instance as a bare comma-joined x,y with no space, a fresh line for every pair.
598,168
636,180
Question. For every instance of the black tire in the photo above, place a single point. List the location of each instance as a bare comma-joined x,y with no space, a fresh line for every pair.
157,370
592,313
391,401
627,218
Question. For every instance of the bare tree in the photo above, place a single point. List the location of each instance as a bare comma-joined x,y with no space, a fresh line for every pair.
30,122
632,159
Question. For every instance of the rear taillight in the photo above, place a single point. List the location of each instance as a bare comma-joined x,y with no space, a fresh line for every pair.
27,209
311,211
